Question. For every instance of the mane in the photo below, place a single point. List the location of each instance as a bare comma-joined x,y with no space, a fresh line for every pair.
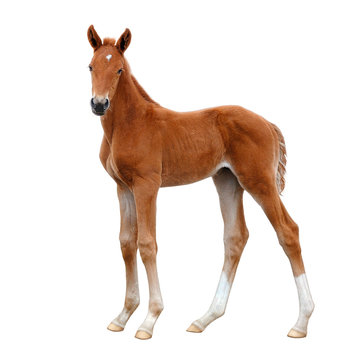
142,92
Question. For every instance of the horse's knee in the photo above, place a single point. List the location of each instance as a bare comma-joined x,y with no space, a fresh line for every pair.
147,248
244,236
289,239
234,245
128,246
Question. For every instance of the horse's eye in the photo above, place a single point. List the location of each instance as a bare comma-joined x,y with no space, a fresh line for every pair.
119,71
90,67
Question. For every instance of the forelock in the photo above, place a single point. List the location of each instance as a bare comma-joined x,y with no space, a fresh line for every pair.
109,41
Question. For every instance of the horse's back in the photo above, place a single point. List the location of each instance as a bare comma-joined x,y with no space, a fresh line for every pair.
197,143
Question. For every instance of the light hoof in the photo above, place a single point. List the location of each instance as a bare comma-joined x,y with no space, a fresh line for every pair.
193,328
142,335
296,334
115,328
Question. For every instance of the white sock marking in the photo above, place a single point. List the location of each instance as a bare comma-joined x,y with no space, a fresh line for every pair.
221,297
306,304
218,305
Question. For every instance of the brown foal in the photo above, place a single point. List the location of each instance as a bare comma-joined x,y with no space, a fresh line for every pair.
146,146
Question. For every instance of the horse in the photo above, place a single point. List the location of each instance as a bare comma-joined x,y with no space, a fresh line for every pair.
146,146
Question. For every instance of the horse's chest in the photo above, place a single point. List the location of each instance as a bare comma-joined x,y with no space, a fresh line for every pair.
119,169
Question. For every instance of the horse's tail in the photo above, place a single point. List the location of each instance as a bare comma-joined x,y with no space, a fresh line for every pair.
280,174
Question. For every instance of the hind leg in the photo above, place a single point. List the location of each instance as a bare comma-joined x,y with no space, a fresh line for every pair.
235,238
266,194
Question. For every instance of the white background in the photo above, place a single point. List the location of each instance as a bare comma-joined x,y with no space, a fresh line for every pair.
62,276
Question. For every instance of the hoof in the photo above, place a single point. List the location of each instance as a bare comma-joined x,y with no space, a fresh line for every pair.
115,328
193,328
296,334
142,335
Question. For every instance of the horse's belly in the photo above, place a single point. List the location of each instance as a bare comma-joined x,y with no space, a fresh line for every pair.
184,177
190,166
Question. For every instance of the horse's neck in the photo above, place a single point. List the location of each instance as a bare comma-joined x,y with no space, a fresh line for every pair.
127,97
142,92
129,100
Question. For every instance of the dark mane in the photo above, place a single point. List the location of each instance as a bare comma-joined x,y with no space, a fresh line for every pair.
143,93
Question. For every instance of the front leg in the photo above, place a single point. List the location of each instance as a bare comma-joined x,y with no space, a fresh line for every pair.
128,242
145,193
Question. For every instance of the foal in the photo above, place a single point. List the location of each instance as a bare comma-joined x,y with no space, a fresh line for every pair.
146,146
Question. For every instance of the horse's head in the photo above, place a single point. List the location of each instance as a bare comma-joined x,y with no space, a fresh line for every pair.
106,67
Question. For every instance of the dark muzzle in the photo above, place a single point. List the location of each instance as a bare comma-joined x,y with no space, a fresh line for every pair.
99,107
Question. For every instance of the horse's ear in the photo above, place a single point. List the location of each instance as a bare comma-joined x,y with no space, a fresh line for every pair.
94,38
124,41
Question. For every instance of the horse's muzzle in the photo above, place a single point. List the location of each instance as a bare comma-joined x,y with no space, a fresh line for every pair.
99,107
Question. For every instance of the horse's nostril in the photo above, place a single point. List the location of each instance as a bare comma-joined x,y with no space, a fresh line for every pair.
99,107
